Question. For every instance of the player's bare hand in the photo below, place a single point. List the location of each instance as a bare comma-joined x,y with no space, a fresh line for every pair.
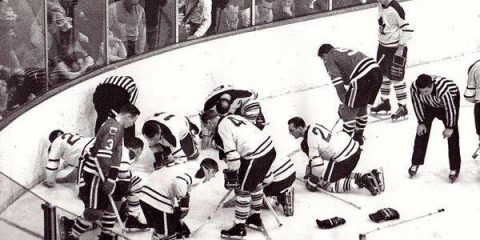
421,129
447,133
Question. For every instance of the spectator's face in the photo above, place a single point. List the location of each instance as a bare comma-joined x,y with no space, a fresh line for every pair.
265,8
232,15
286,3
3,86
78,65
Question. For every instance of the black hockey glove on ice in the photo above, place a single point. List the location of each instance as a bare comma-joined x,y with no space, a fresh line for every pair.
384,214
330,223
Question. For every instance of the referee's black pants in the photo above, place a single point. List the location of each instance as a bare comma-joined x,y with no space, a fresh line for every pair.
421,142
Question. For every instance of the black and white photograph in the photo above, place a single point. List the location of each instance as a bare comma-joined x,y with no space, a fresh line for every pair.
239,119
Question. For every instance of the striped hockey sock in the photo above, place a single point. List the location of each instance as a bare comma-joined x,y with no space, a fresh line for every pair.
242,206
401,92
349,127
385,88
108,221
81,226
257,199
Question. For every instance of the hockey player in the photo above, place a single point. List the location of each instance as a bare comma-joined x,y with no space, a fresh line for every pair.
333,157
278,183
165,199
65,150
226,100
249,154
436,97
357,79
128,186
393,34
171,138
472,94
110,96
100,181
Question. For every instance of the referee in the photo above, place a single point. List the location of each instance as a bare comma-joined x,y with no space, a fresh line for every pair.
436,97
110,96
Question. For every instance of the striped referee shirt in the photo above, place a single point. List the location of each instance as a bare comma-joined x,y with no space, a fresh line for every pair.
127,83
443,94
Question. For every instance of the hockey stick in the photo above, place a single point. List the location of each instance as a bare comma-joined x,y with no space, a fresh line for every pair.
363,236
269,205
114,207
333,196
213,213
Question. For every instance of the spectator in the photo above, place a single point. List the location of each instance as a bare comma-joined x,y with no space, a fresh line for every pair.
8,36
229,18
116,50
306,7
197,18
3,92
127,22
70,67
263,14
218,6
283,9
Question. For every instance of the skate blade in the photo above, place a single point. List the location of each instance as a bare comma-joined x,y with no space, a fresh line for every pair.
254,227
136,230
232,237
380,113
399,119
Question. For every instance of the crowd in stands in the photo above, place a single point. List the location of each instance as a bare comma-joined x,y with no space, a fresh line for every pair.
75,34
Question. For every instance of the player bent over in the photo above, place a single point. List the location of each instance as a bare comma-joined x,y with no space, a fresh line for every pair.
357,79
171,138
341,154
249,154
65,151
107,151
165,199
279,184
226,100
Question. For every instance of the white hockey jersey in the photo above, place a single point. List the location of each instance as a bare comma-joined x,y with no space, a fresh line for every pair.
393,28
68,147
166,186
319,144
238,97
239,138
282,168
472,92
174,128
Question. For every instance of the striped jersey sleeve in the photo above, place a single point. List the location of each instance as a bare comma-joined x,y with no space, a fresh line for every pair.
125,82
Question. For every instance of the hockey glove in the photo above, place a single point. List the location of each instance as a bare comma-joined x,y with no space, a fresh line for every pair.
231,179
183,206
182,231
397,70
384,214
311,183
109,186
330,223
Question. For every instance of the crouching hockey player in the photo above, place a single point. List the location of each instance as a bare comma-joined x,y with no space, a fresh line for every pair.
226,100
279,184
100,174
249,154
165,199
341,154
171,138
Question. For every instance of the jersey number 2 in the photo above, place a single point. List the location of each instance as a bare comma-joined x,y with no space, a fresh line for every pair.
317,130
71,139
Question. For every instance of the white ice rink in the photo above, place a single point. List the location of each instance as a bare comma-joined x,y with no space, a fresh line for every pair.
387,144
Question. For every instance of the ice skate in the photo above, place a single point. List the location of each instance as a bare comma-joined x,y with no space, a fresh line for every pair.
368,181
65,228
378,173
412,171
453,175
401,113
383,108
134,225
238,231
254,222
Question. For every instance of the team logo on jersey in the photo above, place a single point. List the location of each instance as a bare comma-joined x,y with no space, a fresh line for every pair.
113,130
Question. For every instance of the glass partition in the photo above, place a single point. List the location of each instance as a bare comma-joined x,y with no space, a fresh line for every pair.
66,37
